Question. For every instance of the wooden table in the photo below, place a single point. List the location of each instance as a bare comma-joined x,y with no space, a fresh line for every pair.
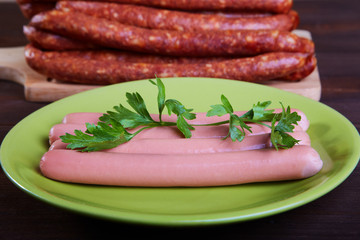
335,27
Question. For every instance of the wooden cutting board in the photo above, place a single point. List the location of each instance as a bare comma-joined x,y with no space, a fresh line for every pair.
37,88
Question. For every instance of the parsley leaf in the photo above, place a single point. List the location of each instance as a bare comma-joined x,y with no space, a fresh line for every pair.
98,137
285,121
126,117
174,106
137,103
259,112
161,95
226,108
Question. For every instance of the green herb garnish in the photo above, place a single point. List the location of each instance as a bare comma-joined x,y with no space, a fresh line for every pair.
258,114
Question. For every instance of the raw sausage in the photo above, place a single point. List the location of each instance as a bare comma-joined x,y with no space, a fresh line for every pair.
165,132
201,118
153,18
158,132
168,170
194,145
77,120
252,69
166,42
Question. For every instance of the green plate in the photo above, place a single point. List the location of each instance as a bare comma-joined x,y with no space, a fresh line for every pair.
332,135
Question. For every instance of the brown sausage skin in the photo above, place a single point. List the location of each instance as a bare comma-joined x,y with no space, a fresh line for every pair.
236,14
127,57
165,42
153,18
252,69
49,41
272,6
304,71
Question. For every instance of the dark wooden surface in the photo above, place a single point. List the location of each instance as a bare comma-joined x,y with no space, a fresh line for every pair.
335,27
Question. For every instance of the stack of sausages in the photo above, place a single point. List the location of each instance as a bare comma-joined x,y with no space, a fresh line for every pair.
162,157
110,42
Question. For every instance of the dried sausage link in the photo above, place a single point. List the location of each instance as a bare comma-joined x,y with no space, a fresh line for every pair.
272,6
101,54
153,18
49,41
165,42
235,14
304,71
252,69
63,47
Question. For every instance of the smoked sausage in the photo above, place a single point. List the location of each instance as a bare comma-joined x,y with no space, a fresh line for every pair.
49,41
148,17
275,6
304,71
63,47
166,42
259,68
272,6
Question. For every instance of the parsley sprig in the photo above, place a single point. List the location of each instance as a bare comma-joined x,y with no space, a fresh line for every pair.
111,130
281,123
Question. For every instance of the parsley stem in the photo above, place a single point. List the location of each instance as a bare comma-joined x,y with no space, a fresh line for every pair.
160,124
211,124
227,121
167,123
257,122
140,130
152,125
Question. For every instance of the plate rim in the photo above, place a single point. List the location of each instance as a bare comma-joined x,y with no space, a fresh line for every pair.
346,172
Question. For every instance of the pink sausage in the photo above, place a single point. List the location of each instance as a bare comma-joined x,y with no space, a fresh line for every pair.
165,132
82,117
157,132
201,118
169,170
60,129
194,145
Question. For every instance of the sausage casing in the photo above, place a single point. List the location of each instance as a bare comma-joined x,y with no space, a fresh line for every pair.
272,6
154,18
260,68
165,42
